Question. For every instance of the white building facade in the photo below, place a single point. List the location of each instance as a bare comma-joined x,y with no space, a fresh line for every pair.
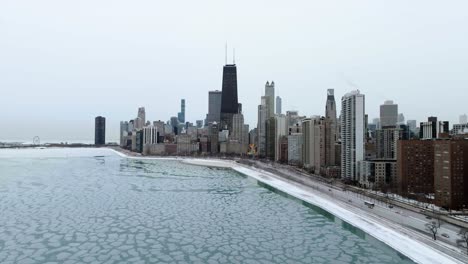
352,133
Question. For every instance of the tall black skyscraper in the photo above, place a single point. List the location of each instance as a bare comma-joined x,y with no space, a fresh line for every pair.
229,103
100,131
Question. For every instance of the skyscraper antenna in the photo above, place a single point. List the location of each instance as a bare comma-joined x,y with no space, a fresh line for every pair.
225,54
234,56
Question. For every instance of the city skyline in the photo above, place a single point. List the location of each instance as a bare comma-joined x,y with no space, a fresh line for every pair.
386,59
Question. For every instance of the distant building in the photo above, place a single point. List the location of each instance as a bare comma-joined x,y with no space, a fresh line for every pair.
181,114
293,118
330,129
199,123
451,173
175,125
131,125
150,135
412,125
386,143
352,133
295,148
401,118
459,129
237,126
415,167
214,107
313,150
280,133
139,141
261,127
229,101
123,131
388,114
376,122
214,138
278,105
160,126
270,98
140,121
432,128
270,138
378,174
100,130
463,119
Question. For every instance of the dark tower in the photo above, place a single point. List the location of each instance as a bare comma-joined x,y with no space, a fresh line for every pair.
229,103
100,130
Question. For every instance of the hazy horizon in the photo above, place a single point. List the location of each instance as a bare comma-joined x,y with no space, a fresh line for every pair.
64,63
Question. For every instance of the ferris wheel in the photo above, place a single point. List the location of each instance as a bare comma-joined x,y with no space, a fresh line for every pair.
36,140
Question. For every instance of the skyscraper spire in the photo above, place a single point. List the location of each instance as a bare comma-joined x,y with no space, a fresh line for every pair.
233,56
225,54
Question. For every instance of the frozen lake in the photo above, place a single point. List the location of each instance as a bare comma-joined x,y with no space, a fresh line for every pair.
93,206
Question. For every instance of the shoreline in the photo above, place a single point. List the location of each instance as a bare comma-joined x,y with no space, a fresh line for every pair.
403,240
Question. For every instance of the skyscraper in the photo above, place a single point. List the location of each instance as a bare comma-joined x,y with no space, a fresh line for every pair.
181,114
141,118
261,127
330,128
278,105
229,102
100,130
388,114
352,133
123,131
270,94
313,131
214,107
401,118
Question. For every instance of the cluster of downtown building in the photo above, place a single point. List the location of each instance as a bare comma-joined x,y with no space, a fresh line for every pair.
428,162
223,132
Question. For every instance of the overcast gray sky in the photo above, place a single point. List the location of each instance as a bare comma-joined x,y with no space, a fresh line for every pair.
64,62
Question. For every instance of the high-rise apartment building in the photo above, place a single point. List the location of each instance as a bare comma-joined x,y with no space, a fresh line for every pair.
100,130
229,101
281,131
330,128
270,138
388,114
451,173
261,127
386,142
295,148
352,133
415,167
278,105
313,151
214,107
181,114
270,95
237,127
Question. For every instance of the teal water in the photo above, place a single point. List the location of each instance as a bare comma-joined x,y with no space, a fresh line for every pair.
108,209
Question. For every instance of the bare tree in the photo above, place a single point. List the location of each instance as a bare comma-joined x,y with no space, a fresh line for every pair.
433,228
463,242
